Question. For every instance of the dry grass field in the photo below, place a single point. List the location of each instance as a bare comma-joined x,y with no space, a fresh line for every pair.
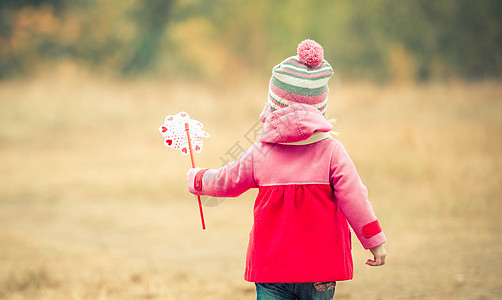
93,206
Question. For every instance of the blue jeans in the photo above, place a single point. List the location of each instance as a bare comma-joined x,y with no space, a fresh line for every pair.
294,291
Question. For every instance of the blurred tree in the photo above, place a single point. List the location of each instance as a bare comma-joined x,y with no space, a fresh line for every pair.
356,40
9,4
472,41
373,39
463,37
151,17
10,60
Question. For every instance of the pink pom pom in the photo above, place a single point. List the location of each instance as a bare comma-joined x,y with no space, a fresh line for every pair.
310,53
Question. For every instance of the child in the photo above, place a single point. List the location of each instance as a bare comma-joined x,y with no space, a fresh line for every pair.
300,244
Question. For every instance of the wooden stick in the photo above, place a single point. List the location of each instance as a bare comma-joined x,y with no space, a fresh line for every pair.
193,166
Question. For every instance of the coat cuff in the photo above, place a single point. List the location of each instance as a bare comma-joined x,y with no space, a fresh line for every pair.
195,181
371,235
191,180
371,229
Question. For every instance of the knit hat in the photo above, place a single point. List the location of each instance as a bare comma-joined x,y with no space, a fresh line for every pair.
300,79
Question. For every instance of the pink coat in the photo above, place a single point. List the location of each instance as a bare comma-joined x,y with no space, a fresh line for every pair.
308,190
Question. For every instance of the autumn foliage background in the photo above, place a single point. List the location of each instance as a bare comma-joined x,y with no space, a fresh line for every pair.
93,206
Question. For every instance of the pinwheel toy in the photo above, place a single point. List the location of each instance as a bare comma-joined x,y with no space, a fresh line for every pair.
182,133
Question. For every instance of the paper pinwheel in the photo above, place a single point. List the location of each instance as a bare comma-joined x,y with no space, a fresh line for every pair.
182,133
175,133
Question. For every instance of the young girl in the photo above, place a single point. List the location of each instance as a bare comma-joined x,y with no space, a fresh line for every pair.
300,244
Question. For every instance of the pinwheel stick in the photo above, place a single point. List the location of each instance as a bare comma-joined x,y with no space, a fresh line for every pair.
193,166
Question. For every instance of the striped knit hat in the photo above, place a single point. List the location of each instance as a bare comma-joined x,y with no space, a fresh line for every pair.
300,79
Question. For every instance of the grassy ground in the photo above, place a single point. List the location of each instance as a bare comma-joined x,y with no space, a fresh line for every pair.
93,206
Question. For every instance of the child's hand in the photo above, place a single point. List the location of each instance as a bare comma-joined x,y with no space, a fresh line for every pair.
379,254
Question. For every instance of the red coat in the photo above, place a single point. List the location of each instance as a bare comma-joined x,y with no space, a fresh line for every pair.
308,190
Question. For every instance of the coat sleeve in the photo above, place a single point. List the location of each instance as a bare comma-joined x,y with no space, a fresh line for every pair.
352,198
229,181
